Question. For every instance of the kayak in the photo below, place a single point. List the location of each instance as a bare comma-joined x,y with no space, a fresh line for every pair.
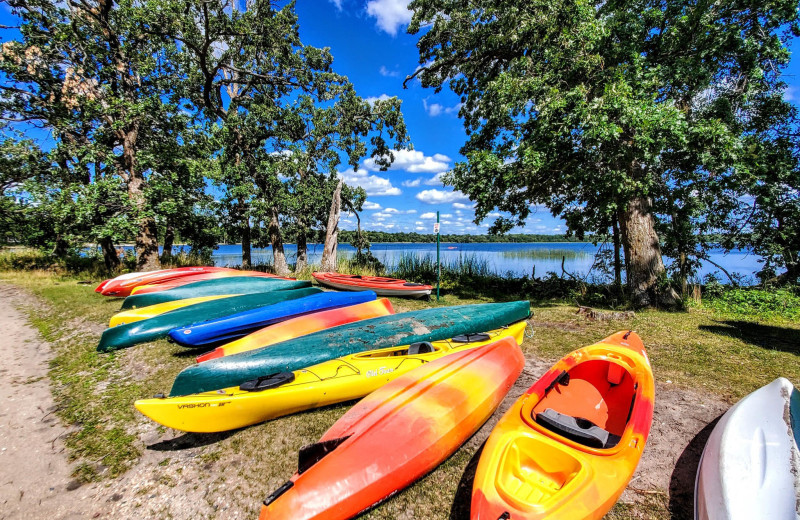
179,282
125,276
397,434
750,467
151,329
123,285
212,333
230,285
388,331
301,326
143,313
568,447
382,286
330,382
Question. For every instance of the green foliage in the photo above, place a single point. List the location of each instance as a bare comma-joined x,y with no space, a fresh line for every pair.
758,304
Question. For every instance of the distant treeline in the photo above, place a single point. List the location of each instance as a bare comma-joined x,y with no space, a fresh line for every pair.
382,236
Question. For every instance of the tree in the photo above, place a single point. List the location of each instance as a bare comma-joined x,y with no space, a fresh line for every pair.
603,110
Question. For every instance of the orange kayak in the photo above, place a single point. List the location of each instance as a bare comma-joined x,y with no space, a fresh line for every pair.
124,284
300,326
570,444
186,280
397,434
381,285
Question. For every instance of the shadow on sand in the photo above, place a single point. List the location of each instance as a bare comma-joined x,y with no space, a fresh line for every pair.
190,440
681,484
461,502
785,339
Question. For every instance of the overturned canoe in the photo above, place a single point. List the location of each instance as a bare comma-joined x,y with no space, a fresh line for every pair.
330,382
229,285
397,434
750,468
296,327
211,333
400,329
124,284
157,327
568,447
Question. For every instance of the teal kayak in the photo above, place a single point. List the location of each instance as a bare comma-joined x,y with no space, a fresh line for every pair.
387,331
227,285
130,334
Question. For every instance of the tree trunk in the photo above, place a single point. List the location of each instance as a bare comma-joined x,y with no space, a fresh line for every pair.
279,258
617,260
247,261
60,248
169,240
110,256
643,256
329,260
147,236
302,246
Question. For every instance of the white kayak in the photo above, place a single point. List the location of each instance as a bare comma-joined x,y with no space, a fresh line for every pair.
750,468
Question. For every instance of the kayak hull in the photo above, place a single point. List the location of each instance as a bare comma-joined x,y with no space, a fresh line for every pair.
179,282
296,327
446,401
228,285
123,285
211,333
382,286
539,462
750,468
388,331
157,327
330,382
151,311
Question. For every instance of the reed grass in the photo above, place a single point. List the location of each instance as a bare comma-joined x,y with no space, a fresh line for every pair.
544,254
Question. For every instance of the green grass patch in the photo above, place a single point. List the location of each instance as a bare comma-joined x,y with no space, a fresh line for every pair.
765,305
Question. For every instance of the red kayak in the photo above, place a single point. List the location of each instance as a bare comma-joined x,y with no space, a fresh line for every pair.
382,286
178,282
397,434
124,284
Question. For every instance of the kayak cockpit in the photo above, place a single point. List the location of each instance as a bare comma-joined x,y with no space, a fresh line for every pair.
415,349
590,404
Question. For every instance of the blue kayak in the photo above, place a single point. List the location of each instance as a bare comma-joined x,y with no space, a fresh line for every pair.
212,333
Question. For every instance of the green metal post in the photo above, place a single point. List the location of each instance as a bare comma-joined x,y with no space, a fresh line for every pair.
438,264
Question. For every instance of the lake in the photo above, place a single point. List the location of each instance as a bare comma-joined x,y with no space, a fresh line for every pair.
515,259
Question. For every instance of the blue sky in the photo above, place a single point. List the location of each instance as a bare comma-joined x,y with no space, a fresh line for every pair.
370,45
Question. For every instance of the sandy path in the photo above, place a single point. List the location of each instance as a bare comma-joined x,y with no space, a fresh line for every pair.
34,472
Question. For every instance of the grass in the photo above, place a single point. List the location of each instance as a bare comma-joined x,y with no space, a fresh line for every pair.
708,348
544,254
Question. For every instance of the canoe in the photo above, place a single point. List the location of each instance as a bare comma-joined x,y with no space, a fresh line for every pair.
382,286
568,447
230,285
397,434
123,285
344,379
212,333
750,468
157,327
388,331
125,276
143,313
296,327
179,282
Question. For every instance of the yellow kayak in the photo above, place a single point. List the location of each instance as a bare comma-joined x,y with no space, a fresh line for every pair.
143,313
335,381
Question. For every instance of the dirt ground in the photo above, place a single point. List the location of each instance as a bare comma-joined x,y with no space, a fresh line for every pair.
175,478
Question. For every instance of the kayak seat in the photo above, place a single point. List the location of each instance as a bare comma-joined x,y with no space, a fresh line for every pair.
577,429
267,382
597,391
423,347
471,338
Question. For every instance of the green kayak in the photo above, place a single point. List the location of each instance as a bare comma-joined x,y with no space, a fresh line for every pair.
227,285
130,334
387,331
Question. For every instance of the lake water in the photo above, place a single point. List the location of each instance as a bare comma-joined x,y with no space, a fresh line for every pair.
512,258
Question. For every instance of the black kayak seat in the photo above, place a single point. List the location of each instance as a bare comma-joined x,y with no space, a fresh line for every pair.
471,338
267,382
576,429
423,347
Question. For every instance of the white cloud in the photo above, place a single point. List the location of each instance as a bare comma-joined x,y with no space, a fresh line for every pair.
390,14
400,212
494,214
370,206
381,216
436,180
790,94
372,184
412,184
388,73
459,205
420,228
435,196
447,215
428,215
414,161
337,3
382,97
436,109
